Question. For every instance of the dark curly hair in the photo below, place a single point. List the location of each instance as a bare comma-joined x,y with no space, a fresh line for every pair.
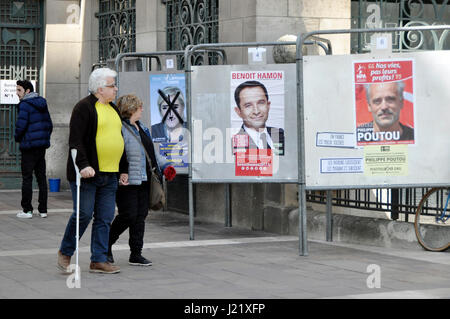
26,85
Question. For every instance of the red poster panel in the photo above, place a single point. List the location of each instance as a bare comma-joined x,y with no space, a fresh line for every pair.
384,102
254,162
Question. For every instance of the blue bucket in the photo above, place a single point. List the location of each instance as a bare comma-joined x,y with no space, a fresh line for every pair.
54,184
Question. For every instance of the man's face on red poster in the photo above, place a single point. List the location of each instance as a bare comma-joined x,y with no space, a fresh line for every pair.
385,104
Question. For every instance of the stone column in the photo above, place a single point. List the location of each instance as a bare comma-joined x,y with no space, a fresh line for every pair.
148,15
62,54
268,20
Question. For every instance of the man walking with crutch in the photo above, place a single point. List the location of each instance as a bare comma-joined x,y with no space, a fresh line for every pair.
95,132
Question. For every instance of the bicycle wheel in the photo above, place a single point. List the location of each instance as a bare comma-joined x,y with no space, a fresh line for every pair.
432,223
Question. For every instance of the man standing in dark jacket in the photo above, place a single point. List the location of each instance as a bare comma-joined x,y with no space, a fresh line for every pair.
33,129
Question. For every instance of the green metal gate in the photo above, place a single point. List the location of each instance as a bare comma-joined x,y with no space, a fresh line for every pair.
20,58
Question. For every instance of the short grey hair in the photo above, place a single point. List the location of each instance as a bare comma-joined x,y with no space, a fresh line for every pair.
400,89
97,79
171,90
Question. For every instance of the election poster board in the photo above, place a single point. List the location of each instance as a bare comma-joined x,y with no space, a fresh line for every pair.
351,144
228,145
168,117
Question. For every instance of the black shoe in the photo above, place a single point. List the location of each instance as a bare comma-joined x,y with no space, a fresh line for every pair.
139,261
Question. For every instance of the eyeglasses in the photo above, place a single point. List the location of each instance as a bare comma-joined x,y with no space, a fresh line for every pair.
110,86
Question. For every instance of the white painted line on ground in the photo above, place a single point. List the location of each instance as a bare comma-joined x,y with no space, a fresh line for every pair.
34,191
174,244
419,254
402,294
50,211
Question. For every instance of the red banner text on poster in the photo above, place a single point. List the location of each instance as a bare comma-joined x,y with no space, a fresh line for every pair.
254,162
382,71
256,75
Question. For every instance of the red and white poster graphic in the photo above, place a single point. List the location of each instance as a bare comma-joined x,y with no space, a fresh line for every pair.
384,102
254,162
240,141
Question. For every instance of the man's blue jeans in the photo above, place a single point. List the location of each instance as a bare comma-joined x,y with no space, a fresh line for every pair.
97,199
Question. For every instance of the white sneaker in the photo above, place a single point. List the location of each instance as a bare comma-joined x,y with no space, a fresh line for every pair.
25,215
43,215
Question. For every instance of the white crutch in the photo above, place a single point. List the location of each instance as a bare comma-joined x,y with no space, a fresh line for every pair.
77,234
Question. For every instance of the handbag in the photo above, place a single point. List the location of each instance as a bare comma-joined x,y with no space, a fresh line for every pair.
157,195
157,199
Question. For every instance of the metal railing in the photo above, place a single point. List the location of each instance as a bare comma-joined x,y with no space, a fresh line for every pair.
400,203
188,53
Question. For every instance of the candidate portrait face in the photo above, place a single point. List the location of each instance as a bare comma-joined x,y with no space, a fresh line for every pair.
253,107
385,104
171,119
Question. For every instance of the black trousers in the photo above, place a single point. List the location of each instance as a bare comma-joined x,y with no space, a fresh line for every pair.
33,160
132,204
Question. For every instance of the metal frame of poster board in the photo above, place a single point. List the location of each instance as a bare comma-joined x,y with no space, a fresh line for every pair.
157,56
139,82
303,247
368,159
323,43
217,123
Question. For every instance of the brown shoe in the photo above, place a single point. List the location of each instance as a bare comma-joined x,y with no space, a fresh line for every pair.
63,262
104,268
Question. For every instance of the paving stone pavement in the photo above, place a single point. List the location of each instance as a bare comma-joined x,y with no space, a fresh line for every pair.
221,263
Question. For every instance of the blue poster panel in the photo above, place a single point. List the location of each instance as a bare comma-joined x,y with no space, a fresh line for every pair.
168,116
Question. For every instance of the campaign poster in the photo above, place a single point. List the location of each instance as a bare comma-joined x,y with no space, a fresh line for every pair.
384,102
257,120
168,117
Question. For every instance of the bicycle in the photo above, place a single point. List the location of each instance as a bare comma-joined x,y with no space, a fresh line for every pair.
432,222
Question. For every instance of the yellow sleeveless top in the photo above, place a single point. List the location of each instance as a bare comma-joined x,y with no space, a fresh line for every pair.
109,140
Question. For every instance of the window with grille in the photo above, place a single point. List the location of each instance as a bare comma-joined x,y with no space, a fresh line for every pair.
401,13
117,28
192,22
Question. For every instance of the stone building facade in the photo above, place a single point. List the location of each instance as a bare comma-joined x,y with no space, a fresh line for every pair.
70,48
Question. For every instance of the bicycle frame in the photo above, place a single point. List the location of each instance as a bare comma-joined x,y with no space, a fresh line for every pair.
443,218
